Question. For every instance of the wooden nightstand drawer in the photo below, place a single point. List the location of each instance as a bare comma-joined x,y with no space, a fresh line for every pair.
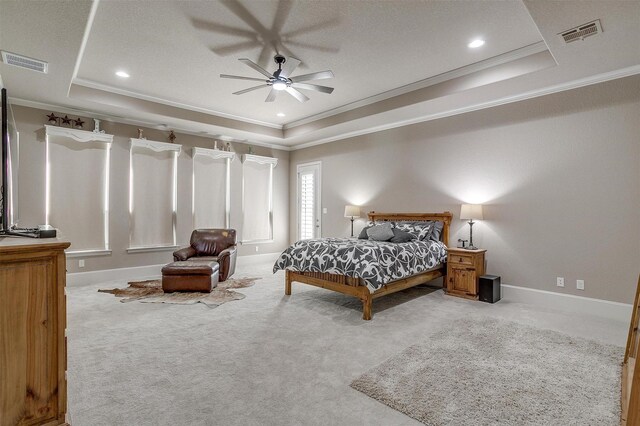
462,259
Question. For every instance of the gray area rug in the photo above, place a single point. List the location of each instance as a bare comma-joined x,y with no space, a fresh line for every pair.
497,372
150,291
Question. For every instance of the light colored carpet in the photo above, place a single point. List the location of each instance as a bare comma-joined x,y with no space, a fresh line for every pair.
270,359
496,372
150,291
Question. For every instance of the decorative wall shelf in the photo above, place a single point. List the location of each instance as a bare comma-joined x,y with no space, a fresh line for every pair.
259,159
78,135
214,153
154,145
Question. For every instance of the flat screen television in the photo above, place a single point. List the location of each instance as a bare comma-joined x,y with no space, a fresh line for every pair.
10,162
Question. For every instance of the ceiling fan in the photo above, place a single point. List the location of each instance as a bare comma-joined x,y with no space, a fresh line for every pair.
281,80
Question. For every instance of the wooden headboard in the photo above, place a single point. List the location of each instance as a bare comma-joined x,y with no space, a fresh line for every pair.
442,217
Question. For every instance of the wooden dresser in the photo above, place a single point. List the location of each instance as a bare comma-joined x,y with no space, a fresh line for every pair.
33,352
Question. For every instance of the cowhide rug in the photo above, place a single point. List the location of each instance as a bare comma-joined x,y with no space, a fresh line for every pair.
150,291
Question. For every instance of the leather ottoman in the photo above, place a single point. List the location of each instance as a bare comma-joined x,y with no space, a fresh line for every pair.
190,275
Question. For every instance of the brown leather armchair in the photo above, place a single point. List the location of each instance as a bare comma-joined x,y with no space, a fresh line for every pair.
209,245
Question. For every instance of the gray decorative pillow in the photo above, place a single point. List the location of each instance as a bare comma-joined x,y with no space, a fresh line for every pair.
437,230
382,232
363,234
401,236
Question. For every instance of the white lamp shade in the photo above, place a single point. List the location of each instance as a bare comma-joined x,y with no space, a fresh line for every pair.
471,211
351,211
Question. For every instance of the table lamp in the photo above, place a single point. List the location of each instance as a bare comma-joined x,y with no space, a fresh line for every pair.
352,212
470,212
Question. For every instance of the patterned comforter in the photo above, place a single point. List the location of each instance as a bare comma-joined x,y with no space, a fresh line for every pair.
376,262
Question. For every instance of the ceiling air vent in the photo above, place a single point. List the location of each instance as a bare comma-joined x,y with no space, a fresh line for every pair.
24,62
582,32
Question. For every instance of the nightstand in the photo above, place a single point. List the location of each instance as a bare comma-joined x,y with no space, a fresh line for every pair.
464,268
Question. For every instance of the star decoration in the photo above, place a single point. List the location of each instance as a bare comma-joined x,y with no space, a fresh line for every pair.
66,120
79,122
52,118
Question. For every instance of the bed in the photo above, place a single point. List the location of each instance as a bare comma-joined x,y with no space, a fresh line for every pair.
313,262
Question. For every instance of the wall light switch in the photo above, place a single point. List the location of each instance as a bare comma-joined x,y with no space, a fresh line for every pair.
81,263
257,248
560,282
324,210
580,284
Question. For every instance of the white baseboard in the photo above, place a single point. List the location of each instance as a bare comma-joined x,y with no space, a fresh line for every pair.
148,271
568,302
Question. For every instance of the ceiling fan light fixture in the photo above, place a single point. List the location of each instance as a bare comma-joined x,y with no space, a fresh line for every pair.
279,85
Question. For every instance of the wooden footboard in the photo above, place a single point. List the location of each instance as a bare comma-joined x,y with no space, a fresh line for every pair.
630,395
353,287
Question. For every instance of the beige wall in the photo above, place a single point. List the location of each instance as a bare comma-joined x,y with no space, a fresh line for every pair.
559,177
30,123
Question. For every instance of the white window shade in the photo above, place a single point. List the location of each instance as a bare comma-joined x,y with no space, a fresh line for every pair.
77,187
257,198
211,188
152,194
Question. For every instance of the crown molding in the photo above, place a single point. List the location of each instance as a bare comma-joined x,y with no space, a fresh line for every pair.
123,92
562,87
213,153
449,75
78,135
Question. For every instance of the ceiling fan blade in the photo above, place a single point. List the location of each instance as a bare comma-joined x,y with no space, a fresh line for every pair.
297,94
272,95
317,88
265,54
235,47
250,89
256,67
239,77
313,76
288,67
220,28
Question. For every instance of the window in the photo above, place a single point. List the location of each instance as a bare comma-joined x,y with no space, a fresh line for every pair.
309,200
257,198
211,188
77,188
153,168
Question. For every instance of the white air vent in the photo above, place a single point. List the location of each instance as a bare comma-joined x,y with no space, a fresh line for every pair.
582,32
24,62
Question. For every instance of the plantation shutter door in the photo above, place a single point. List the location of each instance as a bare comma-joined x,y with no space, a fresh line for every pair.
307,205
152,197
211,188
77,191
257,209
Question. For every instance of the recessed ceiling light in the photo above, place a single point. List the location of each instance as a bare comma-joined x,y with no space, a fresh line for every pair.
476,43
280,114
122,74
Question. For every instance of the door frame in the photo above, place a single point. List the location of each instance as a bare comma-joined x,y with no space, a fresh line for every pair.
319,205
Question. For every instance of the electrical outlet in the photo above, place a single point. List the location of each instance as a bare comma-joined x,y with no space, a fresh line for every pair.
560,282
580,284
324,210
81,263
257,248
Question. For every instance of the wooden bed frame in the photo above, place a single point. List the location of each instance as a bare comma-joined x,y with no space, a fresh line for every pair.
355,287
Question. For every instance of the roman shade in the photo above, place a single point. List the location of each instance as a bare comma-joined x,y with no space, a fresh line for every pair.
257,198
211,188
